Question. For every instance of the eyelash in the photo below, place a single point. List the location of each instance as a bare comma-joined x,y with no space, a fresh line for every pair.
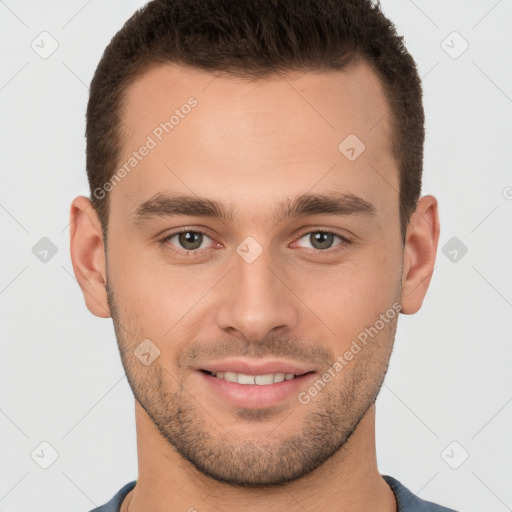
192,253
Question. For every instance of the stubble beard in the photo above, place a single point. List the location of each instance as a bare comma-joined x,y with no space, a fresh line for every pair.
264,460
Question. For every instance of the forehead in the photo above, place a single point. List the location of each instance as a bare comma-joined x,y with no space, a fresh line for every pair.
259,137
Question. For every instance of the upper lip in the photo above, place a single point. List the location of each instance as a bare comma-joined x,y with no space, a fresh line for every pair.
256,367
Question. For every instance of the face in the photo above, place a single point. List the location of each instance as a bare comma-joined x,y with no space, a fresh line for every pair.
253,299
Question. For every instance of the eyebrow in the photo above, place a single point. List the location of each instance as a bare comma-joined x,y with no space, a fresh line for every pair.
170,205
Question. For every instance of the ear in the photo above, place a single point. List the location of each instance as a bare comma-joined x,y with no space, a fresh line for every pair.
88,255
419,254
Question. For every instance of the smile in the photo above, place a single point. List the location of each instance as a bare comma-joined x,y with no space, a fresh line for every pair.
266,386
259,380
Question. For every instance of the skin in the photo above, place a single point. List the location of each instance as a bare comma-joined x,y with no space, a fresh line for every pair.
249,145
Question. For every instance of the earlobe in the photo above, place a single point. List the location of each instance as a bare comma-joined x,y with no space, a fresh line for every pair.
419,254
88,255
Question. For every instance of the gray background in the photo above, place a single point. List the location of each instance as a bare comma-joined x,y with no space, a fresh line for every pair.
450,376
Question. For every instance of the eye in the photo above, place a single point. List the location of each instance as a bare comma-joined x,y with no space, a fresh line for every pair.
322,240
189,240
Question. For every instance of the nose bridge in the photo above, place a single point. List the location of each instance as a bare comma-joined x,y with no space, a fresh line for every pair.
256,300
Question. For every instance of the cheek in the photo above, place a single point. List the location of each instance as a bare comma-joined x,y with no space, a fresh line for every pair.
353,295
155,298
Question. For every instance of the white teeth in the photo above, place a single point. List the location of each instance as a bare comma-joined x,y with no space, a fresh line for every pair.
264,380
245,379
261,380
231,376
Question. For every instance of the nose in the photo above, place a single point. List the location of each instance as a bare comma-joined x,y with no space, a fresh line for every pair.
256,301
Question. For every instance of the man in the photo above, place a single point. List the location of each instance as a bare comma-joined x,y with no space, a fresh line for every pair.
256,228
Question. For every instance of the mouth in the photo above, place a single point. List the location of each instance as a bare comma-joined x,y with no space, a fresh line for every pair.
249,385
254,380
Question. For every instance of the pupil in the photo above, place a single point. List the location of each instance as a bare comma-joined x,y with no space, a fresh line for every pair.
321,240
190,239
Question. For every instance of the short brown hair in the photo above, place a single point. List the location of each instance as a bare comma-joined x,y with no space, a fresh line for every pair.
256,39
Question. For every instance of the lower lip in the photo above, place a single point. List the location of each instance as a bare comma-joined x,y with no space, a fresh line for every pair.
254,396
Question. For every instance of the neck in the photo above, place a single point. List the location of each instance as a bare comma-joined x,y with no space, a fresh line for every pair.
349,480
